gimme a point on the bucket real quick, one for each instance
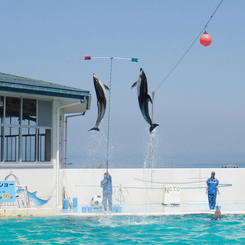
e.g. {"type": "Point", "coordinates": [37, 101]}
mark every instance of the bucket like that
{"type": "Point", "coordinates": [119, 209]}
{"type": "Point", "coordinates": [65, 203]}
{"type": "Point", "coordinates": [116, 209]}
{"type": "Point", "coordinates": [74, 202]}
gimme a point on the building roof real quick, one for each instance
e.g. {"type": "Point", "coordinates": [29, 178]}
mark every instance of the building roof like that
{"type": "Point", "coordinates": [19, 84]}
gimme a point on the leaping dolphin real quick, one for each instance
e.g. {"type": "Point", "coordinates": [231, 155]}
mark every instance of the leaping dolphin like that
{"type": "Point", "coordinates": [101, 101]}
{"type": "Point", "coordinates": [144, 98]}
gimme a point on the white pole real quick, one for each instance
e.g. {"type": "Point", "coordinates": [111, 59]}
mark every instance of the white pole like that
{"type": "Point", "coordinates": [109, 115]}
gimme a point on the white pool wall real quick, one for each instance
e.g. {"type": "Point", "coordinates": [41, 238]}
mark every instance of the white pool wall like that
{"type": "Point", "coordinates": [144, 186]}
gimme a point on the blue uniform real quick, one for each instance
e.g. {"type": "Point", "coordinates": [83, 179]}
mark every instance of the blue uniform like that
{"type": "Point", "coordinates": [212, 192]}
{"type": "Point", "coordinates": [107, 192]}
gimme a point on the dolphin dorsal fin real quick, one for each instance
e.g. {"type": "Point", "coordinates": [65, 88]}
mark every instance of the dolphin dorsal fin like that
{"type": "Point", "coordinates": [134, 85]}
{"type": "Point", "coordinates": [106, 87]}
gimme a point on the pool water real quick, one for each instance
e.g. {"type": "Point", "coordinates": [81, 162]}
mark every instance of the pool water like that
{"type": "Point", "coordinates": [106, 229]}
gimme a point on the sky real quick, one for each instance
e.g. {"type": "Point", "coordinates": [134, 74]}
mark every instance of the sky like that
{"type": "Point", "coordinates": [200, 108]}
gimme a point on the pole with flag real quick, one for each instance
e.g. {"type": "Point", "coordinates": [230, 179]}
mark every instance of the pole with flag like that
{"type": "Point", "coordinates": [88, 57]}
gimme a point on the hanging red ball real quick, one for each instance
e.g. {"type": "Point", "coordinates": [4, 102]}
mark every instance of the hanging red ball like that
{"type": "Point", "coordinates": [205, 39]}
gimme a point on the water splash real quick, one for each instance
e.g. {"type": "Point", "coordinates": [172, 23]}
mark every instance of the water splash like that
{"type": "Point", "coordinates": [96, 150]}
{"type": "Point", "coordinates": [149, 164]}
{"type": "Point", "coordinates": [152, 145]}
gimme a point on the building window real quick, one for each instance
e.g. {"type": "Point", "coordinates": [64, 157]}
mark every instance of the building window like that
{"type": "Point", "coordinates": [25, 130]}
{"type": "Point", "coordinates": [1, 108]}
{"type": "Point", "coordinates": [29, 115]}
{"type": "Point", "coordinates": [44, 140]}
{"type": "Point", "coordinates": [11, 144]}
{"type": "Point", "coordinates": [1, 144]}
{"type": "Point", "coordinates": [29, 145]}
{"type": "Point", "coordinates": [12, 111]}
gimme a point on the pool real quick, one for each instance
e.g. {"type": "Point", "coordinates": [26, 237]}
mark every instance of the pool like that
{"type": "Point", "coordinates": [106, 229]}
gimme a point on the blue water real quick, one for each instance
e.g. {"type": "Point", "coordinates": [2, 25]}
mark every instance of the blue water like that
{"type": "Point", "coordinates": [186, 229]}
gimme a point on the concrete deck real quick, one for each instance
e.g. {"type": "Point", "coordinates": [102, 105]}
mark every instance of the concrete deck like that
{"type": "Point", "coordinates": [137, 210]}
{"type": "Point", "coordinates": [28, 212]}
{"type": "Point", "coordinates": [158, 209]}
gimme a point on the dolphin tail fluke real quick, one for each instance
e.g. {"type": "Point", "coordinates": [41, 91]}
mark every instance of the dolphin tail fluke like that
{"type": "Point", "coordinates": [94, 128]}
{"type": "Point", "coordinates": [153, 126]}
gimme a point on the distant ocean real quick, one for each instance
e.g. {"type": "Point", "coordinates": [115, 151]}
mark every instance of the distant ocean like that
{"type": "Point", "coordinates": [177, 161]}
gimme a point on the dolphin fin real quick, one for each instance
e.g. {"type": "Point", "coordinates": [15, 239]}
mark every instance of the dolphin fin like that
{"type": "Point", "coordinates": [106, 87]}
{"type": "Point", "coordinates": [134, 85]}
{"type": "Point", "coordinates": [149, 98]}
{"type": "Point", "coordinates": [94, 128]}
{"type": "Point", "coordinates": [153, 126]}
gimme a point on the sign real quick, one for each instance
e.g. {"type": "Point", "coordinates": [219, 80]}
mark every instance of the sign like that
{"type": "Point", "coordinates": [7, 191]}
{"type": "Point", "coordinates": [171, 195]}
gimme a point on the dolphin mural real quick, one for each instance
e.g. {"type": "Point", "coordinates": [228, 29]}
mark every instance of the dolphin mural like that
{"type": "Point", "coordinates": [33, 197]}
{"type": "Point", "coordinates": [101, 101]}
{"type": "Point", "coordinates": [144, 98]}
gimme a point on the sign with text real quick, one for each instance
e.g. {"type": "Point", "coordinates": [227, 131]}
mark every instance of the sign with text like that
{"type": "Point", "coordinates": [7, 191]}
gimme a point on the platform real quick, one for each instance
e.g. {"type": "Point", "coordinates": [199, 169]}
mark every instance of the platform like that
{"type": "Point", "coordinates": [159, 209]}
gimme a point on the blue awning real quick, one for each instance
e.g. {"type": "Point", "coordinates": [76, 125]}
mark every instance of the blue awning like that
{"type": "Point", "coordinates": [19, 84]}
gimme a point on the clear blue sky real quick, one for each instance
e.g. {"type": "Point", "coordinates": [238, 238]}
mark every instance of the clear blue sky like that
{"type": "Point", "coordinates": [201, 106]}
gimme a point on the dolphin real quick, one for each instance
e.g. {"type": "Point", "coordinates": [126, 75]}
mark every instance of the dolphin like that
{"type": "Point", "coordinates": [33, 197]}
{"type": "Point", "coordinates": [217, 213]}
{"type": "Point", "coordinates": [101, 101]}
{"type": "Point", "coordinates": [144, 98]}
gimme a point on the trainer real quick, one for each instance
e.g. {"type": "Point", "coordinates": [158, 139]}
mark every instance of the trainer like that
{"type": "Point", "coordinates": [106, 184]}
{"type": "Point", "coordinates": [212, 189]}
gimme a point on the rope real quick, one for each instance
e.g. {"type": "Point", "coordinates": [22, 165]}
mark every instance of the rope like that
{"type": "Point", "coordinates": [109, 114]}
{"type": "Point", "coordinates": [51, 192]}
{"type": "Point", "coordinates": [182, 57]}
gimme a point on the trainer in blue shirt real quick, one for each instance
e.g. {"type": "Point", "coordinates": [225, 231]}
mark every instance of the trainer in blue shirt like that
{"type": "Point", "coordinates": [212, 189]}
{"type": "Point", "coordinates": [106, 184]}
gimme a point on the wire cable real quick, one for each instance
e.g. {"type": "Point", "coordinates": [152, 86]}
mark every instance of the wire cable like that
{"type": "Point", "coordinates": [182, 57]}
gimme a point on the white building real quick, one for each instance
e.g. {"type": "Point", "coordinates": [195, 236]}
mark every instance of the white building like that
{"type": "Point", "coordinates": [32, 132]}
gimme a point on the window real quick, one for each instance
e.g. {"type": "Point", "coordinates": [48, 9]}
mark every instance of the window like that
{"type": "Point", "coordinates": [44, 140]}
{"type": "Point", "coordinates": [25, 130]}
{"type": "Point", "coordinates": [1, 108]}
{"type": "Point", "coordinates": [1, 143]}
{"type": "Point", "coordinates": [11, 143]}
{"type": "Point", "coordinates": [44, 113]}
{"type": "Point", "coordinates": [29, 115]}
{"type": "Point", "coordinates": [28, 144]}
{"type": "Point", "coordinates": [12, 111]}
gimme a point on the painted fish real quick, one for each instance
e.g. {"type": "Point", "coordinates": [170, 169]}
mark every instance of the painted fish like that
{"type": "Point", "coordinates": [33, 197]}
{"type": "Point", "coordinates": [144, 98]}
{"type": "Point", "coordinates": [101, 101]}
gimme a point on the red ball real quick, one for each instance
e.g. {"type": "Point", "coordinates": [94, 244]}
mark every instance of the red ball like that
{"type": "Point", "coordinates": [205, 39]}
